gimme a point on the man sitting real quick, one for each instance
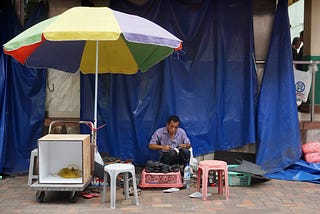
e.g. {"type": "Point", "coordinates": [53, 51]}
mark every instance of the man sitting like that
{"type": "Point", "coordinates": [172, 142]}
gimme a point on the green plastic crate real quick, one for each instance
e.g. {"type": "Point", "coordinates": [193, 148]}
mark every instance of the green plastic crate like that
{"type": "Point", "coordinates": [238, 178]}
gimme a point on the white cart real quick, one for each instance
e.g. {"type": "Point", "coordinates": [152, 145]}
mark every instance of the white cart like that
{"type": "Point", "coordinates": [57, 151]}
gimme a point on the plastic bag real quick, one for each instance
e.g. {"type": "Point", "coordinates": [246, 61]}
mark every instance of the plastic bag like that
{"type": "Point", "coordinates": [302, 81]}
{"type": "Point", "coordinates": [311, 147]}
{"type": "Point", "coordinates": [193, 162]}
{"type": "Point", "coordinates": [72, 171]}
{"type": "Point", "coordinates": [312, 157]}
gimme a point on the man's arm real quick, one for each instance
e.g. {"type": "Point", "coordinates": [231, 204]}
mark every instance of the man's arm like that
{"type": "Point", "coordinates": [158, 147]}
{"type": "Point", "coordinates": [155, 143]}
{"type": "Point", "coordinates": [186, 141]}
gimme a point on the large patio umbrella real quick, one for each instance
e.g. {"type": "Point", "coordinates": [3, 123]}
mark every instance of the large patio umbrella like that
{"type": "Point", "coordinates": [93, 40]}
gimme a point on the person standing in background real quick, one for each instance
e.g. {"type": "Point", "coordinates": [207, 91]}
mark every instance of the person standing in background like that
{"type": "Point", "coordinates": [295, 46]}
{"type": "Point", "coordinates": [301, 67]}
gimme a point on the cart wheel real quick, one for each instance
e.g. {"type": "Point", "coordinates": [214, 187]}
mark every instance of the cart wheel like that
{"type": "Point", "coordinates": [40, 196]}
{"type": "Point", "coordinates": [73, 197]}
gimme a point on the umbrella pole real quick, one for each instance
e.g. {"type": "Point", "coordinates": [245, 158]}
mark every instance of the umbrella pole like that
{"type": "Point", "coordinates": [96, 98]}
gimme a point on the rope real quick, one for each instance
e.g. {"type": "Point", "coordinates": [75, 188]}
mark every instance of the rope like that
{"type": "Point", "coordinates": [93, 129]}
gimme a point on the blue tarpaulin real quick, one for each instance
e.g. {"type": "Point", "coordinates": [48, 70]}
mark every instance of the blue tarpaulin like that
{"type": "Point", "coordinates": [22, 99]}
{"type": "Point", "coordinates": [299, 171]}
{"type": "Point", "coordinates": [211, 84]}
{"type": "Point", "coordinates": [278, 139]}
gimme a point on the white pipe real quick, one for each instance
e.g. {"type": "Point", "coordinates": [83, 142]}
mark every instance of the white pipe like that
{"type": "Point", "coordinates": [314, 70]}
{"type": "Point", "coordinates": [294, 62]}
{"type": "Point", "coordinates": [96, 96]}
{"type": "Point", "coordinates": [307, 62]}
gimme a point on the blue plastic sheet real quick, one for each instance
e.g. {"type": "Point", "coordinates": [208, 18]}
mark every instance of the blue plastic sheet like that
{"type": "Point", "coordinates": [22, 99]}
{"type": "Point", "coordinates": [279, 142]}
{"type": "Point", "coordinates": [298, 171]}
{"type": "Point", "coordinates": [211, 84]}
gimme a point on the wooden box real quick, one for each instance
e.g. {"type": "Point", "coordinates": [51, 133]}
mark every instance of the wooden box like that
{"type": "Point", "coordinates": [58, 151]}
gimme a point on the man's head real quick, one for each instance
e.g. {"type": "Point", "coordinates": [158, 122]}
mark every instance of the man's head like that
{"type": "Point", "coordinates": [296, 42]}
{"type": "Point", "coordinates": [173, 122]}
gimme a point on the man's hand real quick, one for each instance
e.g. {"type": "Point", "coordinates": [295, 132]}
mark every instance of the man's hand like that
{"type": "Point", "coordinates": [184, 146]}
{"type": "Point", "coordinates": [166, 148]}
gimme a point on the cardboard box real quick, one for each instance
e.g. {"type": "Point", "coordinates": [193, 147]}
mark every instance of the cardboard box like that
{"type": "Point", "coordinates": [58, 151]}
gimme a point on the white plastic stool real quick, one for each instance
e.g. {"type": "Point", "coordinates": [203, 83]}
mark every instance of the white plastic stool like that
{"type": "Point", "coordinates": [31, 177]}
{"type": "Point", "coordinates": [114, 170]}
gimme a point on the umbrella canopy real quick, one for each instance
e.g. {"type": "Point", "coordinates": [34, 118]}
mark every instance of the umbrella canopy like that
{"type": "Point", "coordinates": [93, 40]}
{"type": "Point", "coordinates": [68, 42]}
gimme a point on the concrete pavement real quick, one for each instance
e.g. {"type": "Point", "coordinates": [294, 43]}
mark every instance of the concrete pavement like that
{"type": "Point", "coordinates": [273, 196]}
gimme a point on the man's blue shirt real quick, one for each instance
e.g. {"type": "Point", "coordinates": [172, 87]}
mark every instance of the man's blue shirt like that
{"type": "Point", "coordinates": [161, 137]}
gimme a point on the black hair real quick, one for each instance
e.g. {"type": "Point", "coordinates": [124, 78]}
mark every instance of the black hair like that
{"type": "Point", "coordinates": [301, 34]}
{"type": "Point", "coordinates": [295, 40]}
{"type": "Point", "coordinates": [173, 118]}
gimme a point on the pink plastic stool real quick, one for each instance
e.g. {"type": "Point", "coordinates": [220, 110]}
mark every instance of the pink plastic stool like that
{"type": "Point", "coordinates": [221, 167]}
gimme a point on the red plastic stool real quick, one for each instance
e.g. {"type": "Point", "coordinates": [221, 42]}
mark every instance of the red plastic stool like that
{"type": "Point", "coordinates": [221, 167]}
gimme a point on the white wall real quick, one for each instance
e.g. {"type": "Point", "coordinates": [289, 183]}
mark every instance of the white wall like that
{"type": "Point", "coordinates": [63, 94]}
{"type": "Point", "coordinates": [296, 17]}
{"type": "Point", "coordinates": [63, 89]}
